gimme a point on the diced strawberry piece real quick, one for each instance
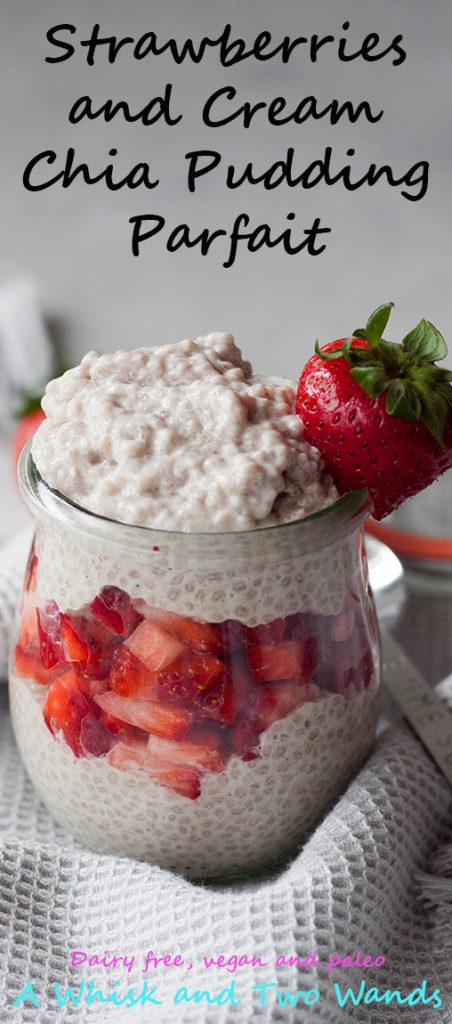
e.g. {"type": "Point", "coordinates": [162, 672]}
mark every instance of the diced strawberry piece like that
{"type": "Point", "coordinates": [95, 739]}
{"type": "Point", "coordinates": [134, 755]}
{"type": "Point", "coordinates": [238, 637]}
{"type": "Point", "coordinates": [209, 734]}
{"type": "Point", "coordinates": [152, 644]}
{"type": "Point", "coordinates": [268, 633]}
{"type": "Point", "coordinates": [65, 707]}
{"type": "Point", "coordinates": [184, 781]}
{"type": "Point", "coordinates": [87, 643]}
{"type": "Point", "coordinates": [234, 636]}
{"type": "Point", "coordinates": [219, 702]}
{"type": "Point", "coordinates": [49, 629]}
{"type": "Point", "coordinates": [309, 657]}
{"type": "Point", "coordinates": [186, 754]}
{"type": "Point", "coordinates": [347, 667]}
{"type": "Point", "coordinates": [161, 719]}
{"type": "Point", "coordinates": [29, 633]}
{"type": "Point", "coordinates": [130, 678]}
{"type": "Point", "coordinates": [310, 693]}
{"type": "Point", "coordinates": [281, 661]}
{"type": "Point", "coordinates": [75, 649]}
{"type": "Point", "coordinates": [298, 626]}
{"type": "Point", "coordinates": [28, 665]}
{"type": "Point", "coordinates": [114, 609]}
{"type": "Point", "coordinates": [277, 700]}
{"type": "Point", "coordinates": [336, 672]}
{"type": "Point", "coordinates": [244, 741]}
{"type": "Point", "coordinates": [189, 677]}
{"type": "Point", "coordinates": [90, 687]}
{"type": "Point", "coordinates": [201, 636]}
{"type": "Point", "coordinates": [128, 755]}
{"type": "Point", "coordinates": [364, 671]}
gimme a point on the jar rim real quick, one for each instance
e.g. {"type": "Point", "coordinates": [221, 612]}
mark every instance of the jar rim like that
{"type": "Point", "coordinates": [306, 533]}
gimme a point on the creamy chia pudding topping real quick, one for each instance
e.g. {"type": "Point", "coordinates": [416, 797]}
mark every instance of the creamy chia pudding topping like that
{"type": "Point", "coordinates": [180, 437]}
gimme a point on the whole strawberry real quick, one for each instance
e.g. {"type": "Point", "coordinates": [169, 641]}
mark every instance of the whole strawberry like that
{"type": "Point", "coordinates": [379, 412]}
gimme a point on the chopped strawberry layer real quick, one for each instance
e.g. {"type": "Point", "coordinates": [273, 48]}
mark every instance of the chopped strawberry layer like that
{"type": "Point", "coordinates": [174, 698]}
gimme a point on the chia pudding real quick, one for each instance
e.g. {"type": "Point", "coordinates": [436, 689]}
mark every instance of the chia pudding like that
{"type": "Point", "coordinates": [195, 675]}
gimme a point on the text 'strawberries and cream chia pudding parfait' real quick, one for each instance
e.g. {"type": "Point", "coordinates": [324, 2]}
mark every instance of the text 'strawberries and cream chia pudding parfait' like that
{"type": "Point", "coordinates": [195, 672]}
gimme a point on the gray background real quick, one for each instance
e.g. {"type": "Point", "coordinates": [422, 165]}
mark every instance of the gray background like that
{"type": "Point", "coordinates": [77, 241]}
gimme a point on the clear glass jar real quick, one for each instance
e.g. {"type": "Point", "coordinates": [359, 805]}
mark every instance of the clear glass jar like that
{"type": "Point", "coordinates": [195, 700]}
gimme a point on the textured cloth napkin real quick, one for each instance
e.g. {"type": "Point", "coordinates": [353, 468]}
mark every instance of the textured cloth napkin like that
{"type": "Point", "coordinates": [356, 884]}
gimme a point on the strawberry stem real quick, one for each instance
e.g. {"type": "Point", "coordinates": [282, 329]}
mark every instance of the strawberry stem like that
{"type": "Point", "coordinates": [416, 389]}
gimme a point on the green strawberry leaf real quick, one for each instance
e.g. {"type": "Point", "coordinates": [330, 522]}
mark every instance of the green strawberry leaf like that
{"type": "Point", "coordinates": [347, 350]}
{"type": "Point", "coordinates": [371, 378]}
{"type": "Point", "coordinates": [403, 401]}
{"type": "Point", "coordinates": [363, 357]}
{"type": "Point", "coordinates": [392, 357]}
{"type": "Point", "coordinates": [425, 342]}
{"type": "Point", "coordinates": [446, 392]}
{"type": "Point", "coordinates": [373, 331]}
{"type": "Point", "coordinates": [335, 354]}
{"type": "Point", "coordinates": [435, 411]}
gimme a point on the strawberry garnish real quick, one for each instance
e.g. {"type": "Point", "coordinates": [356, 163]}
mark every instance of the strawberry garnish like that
{"type": "Point", "coordinates": [379, 412]}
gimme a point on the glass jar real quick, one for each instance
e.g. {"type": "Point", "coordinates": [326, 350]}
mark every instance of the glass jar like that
{"type": "Point", "coordinates": [195, 700]}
